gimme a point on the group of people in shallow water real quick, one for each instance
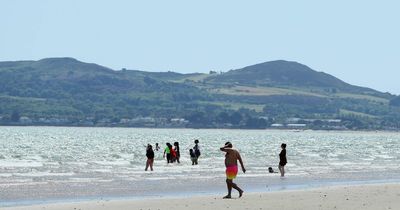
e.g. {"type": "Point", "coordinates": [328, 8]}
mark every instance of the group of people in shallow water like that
{"type": "Point", "coordinates": [232, 156]}
{"type": "Point", "coordinates": [172, 153]}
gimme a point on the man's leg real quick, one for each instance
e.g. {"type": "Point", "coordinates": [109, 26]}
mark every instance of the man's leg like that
{"type": "Point", "coordinates": [238, 189]}
{"type": "Point", "coordinates": [229, 186]}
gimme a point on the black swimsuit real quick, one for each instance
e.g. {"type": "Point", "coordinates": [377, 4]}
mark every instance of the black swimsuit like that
{"type": "Point", "coordinates": [282, 158]}
{"type": "Point", "coordinates": [150, 154]}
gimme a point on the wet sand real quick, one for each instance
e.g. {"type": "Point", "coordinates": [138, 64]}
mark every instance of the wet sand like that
{"type": "Point", "coordinates": [365, 197]}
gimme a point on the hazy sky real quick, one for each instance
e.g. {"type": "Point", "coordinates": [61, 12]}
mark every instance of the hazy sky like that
{"type": "Point", "coordinates": [355, 40]}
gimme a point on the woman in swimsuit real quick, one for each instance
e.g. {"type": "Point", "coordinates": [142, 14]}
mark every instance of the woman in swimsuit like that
{"type": "Point", "coordinates": [150, 157]}
{"type": "Point", "coordinates": [282, 160]}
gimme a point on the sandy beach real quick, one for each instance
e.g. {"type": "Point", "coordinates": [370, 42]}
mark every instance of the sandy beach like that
{"type": "Point", "coordinates": [365, 197]}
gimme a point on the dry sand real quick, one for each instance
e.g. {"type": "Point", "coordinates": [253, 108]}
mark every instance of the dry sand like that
{"type": "Point", "coordinates": [365, 197]}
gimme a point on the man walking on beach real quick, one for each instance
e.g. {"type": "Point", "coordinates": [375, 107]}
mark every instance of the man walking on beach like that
{"type": "Point", "coordinates": [231, 158]}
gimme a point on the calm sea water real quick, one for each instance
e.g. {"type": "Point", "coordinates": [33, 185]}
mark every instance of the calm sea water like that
{"type": "Point", "coordinates": [45, 163]}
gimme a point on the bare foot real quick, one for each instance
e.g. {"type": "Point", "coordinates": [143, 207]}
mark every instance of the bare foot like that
{"type": "Point", "coordinates": [240, 193]}
{"type": "Point", "coordinates": [227, 197]}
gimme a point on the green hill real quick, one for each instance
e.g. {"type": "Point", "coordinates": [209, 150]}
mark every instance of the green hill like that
{"type": "Point", "coordinates": [71, 92]}
{"type": "Point", "coordinates": [287, 74]}
{"type": "Point", "coordinates": [86, 89]}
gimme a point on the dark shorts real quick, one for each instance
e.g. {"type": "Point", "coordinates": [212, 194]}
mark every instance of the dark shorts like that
{"type": "Point", "coordinates": [168, 156]}
{"type": "Point", "coordinates": [282, 163]}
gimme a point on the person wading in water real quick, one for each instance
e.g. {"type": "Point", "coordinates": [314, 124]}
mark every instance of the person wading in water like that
{"type": "Point", "coordinates": [282, 160]}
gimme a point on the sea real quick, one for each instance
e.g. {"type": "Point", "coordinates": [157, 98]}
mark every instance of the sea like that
{"type": "Point", "coordinates": [59, 164]}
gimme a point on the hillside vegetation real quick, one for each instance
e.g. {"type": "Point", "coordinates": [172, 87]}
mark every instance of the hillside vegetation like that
{"type": "Point", "coordinates": [65, 91]}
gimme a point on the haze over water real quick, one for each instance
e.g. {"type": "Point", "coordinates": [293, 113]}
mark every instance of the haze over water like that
{"type": "Point", "coordinates": [45, 163]}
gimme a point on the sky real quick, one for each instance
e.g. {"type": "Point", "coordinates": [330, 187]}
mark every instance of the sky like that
{"type": "Point", "coordinates": [356, 41]}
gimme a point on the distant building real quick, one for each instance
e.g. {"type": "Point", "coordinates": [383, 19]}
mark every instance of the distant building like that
{"type": "Point", "coordinates": [25, 120]}
{"type": "Point", "coordinates": [124, 121]}
{"type": "Point", "coordinates": [277, 125]}
{"type": "Point", "coordinates": [293, 120]}
{"type": "Point", "coordinates": [178, 122]}
{"type": "Point", "coordinates": [139, 121]}
{"type": "Point", "coordinates": [333, 120]}
{"type": "Point", "coordinates": [323, 120]}
{"type": "Point", "coordinates": [52, 121]}
{"type": "Point", "coordinates": [296, 126]}
{"type": "Point", "coordinates": [290, 126]}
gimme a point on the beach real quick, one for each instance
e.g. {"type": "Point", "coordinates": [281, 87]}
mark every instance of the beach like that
{"type": "Point", "coordinates": [54, 165]}
{"type": "Point", "coordinates": [365, 197]}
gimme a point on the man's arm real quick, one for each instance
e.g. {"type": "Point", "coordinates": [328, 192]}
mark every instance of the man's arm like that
{"type": "Point", "coordinates": [225, 149]}
{"type": "Point", "coordinates": [241, 162]}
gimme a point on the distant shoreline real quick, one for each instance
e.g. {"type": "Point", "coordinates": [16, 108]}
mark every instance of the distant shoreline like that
{"type": "Point", "coordinates": [205, 128]}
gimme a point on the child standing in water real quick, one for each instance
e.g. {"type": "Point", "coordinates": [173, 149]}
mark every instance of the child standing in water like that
{"type": "Point", "coordinates": [167, 152]}
{"type": "Point", "coordinates": [282, 160]}
{"type": "Point", "coordinates": [193, 157]}
{"type": "Point", "coordinates": [173, 153]}
{"type": "Point", "coordinates": [150, 157]}
{"type": "Point", "coordinates": [177, 151]}
{"type": "Point", "coordinates": [196, 149]}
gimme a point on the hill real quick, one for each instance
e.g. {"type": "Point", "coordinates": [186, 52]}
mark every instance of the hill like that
{"type": "Point", "coordinates": [66, 91]}
{"type": "Point", "coordinates": [282, 73]}
{"type": "Point", "coordinates": [69, 88]}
